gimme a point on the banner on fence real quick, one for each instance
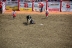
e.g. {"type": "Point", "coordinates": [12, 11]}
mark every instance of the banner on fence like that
{"type": "Point", "coordinates": [54, 6]}
{"type": "Point", "coordinates": [25, 6]}
{"type": "Point", "coordinates": [66, 6]}
{"type": "Point", "coordinates": [11, 5]}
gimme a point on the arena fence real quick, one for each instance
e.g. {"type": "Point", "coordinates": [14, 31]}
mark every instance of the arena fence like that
{"type": "Point", "coordinates": [61, 6]}
{"type": "Point", "coordinates": [66, 6]}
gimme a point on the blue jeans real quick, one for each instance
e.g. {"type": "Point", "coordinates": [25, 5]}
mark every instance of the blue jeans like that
{"type": "Point", "coordinates": [41, 9]}
{"type": "Point", "coordinates": [0, 10]}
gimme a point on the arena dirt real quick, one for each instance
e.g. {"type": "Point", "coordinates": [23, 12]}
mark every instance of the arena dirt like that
{"type": "Point", "coordinates": [56, 31]}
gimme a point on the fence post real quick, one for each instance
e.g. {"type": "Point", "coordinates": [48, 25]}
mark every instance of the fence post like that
{"type": "Point", "coordinates": [46, 4]}
{"type": "Point", "coordinates": [60, 5]}
{"type": "Point", "coordinates": [32, 5]}
{"type": "Point", "coordinates": [18, 5]}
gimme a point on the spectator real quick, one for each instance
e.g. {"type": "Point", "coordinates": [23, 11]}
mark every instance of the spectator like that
{"type": "Point", "coordinates": [0, 6]}
{"type": "Point", "coordinates": [41, 6]}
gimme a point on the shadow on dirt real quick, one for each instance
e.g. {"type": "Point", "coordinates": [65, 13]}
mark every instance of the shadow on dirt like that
{"type": "Point", "coordinates": [45, 18]}
{"type": "Point", "coordinates": [25, 23]}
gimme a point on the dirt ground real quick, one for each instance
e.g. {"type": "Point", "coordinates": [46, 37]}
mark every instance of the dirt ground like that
{"type": "Point", "coordinates": [56, 31]}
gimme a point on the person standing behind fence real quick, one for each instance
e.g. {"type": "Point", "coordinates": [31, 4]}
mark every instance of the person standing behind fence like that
{"type": "Point", "coordinates": [0, 6]}
{"type": "Point", "coordinates": [41, 6]}
{"type": "Point", "coordinates": [14, 14]}
{"type": "Point", "coordinates": [25, 5]}
{"type": "Point", "coordinates": [68, 6]}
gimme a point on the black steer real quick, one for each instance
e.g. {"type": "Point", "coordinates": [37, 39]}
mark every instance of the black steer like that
{"type": "Point", "coordinates": [28, 17]}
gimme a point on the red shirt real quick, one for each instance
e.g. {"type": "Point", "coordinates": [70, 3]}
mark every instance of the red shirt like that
{"type": "Point", "coordinates": [14, 13]}
{"type": "Point", "coordinates": [41, 4]}
{"type": "Point", "coordinates": [25, 5]}
{"type": "Point", "coordinates": [67, 6]}
{"type": "Point", "coordinates": [0, 4]}
{"type": "Point", "coordinates": [46, 13]}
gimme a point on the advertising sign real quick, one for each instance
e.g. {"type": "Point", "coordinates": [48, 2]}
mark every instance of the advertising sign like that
{"type": "Point", "coordinates": [11, 5]}
{"type": "Point", "coordinates": [54, 6]}
{"type": "Point", "coordinates": [66, 6]}
{"type": "Point", "coordinates": [25, 6]}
